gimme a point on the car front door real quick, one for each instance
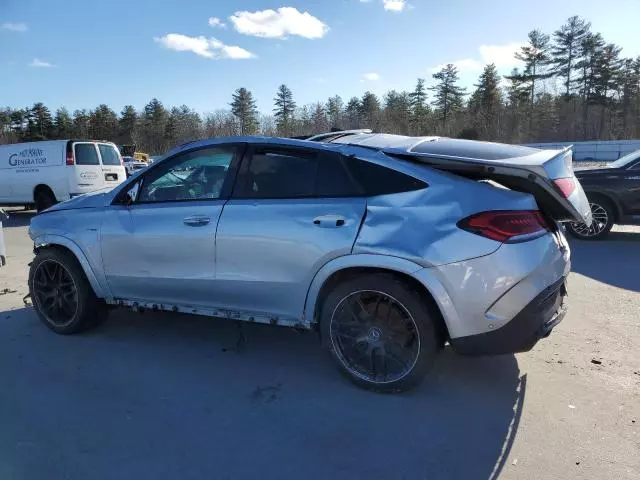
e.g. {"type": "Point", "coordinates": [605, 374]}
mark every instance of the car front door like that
{"type": "Point", "coordinates": [630, 193]}
{"type": "Point", "coordinates": [161, 247]}
{"type": "Point", "coordinates": [292, 210]}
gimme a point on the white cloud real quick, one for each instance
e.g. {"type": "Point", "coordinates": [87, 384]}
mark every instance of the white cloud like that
{"type": "Point", "coordinates": [394, 5]}
{"type": "Point", "coordinates": [280, 23]}
{"type": "Point", "coordinates": [14, 27]}
{"type": "Point", "coordinates": [500, 55]}
{"type": "Point", "coordinates": [215, 22]}
{"type": "Point", "coordinates": [37, 63]}
{"type": "Point", "coordinates": [202, 46]}
{"type": "Point", "coordinates": [371, 76]}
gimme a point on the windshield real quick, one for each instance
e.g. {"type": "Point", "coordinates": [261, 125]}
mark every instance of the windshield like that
{"type": "Point", "coordinates": [624, 161]}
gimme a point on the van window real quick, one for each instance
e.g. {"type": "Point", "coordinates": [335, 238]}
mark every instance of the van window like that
{"type": "Point", "coordinates": [109, 155]}
{"type": "Point", "coordinates": [86, 154]}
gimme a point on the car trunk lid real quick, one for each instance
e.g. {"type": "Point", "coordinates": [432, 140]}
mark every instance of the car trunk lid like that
{"type": "Point", "coordinates": [546, 174]}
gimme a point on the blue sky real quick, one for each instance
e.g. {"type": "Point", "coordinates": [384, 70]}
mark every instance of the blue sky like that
{"type": "Point", "coordinates": [79, 54]}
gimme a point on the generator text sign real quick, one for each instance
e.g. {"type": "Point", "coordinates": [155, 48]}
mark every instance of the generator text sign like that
{"type": "Point", "coordinates": [28, 159]}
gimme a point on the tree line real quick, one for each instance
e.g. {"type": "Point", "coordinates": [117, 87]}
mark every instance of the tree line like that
{"type": "Point", "coordinates": [572, 86]}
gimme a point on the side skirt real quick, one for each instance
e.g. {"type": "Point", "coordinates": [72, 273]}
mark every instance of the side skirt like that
{"type": "Point", "coordinates": [245, 316]}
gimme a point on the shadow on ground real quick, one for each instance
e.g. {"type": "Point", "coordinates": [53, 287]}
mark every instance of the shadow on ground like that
{"type": "Point", "coordinates": [171, 396]}
{"type": "Point", "coordinates": [615, 261]}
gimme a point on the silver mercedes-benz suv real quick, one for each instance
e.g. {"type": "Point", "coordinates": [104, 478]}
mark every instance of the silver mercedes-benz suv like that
{"type": "Point", "coordinates": [389, 246]}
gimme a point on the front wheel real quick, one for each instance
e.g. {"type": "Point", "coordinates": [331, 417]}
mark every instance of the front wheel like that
{"type": "Point", "coordinates": [380, 333]}
{"type": "Point", "coordinates": [61, 293]}
{"type": "Point", "coordinates": [601, 225]}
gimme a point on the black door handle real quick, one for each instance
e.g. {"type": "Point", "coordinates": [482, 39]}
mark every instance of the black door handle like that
{"type": "Point", "coordinates": [339, 222]}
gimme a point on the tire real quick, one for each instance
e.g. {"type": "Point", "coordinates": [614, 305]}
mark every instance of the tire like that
{"type": "Point", "coordinates": [603, 221]}
{"type": "Point", "coordinates": [44, 199]}
{"type": "Point", "coordinates": [56, 277]}
{"type": "Point", "coordinates": [409, 332]}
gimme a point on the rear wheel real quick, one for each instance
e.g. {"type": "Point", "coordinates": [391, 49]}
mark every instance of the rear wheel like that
{"type": "Point", "coordinates": [44, 199]}
{"type": "Point", "coordinates": [380, 333]}
{"type": "Point", "coordinates": [61, 293]}
{"type": "Point", "coordinates": [603, 219]}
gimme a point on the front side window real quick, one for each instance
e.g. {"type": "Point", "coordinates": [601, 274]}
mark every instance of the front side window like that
{"type": "Point", "coordinates": [86, 154]}
{"type": "Point", "coordinates": [109, 154]}
{"type": "Point", "coordinates": [197, 175]}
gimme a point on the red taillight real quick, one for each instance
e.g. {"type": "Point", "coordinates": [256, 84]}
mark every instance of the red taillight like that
{"type": "Point", "coordinates": [506, 225]}
{"type": "Point", "coordinates": [565, 185]}
{"type": "Point", "coordinates": [70, 159]}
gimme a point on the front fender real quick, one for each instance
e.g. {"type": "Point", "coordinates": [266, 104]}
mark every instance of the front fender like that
{"type": "Point", "coordinates": [425, 276]}
{"type": "Point", "coordinates": [44, 240]}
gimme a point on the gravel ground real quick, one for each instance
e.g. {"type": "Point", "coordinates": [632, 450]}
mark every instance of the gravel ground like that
{"type": "Point", "coordinates": [170, 396]}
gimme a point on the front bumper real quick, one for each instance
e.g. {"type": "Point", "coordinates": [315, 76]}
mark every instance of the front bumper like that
{"type": "Point", "coordinates": [522, 332]}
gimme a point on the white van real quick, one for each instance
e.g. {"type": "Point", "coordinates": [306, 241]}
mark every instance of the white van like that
{"type": "Point", "coordinates": [44, 173]}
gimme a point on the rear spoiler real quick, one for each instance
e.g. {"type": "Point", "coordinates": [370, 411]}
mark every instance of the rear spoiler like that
{"type": "Point", "coordinates": [547, 175]}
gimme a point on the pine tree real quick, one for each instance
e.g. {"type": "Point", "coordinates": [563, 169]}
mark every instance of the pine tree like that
{"type": "Point", "coordinates": [397, 113]}
{"type": "Point", "coordinates": [284, 110]}
{"type": "Point", "coordinates": [63, 124]}
{"type": "Point", "coordinates": [127, 125]}
{"type": "Point", "coordinates": [352, 113]}
{"type": "Point", "coordinates": [243, 106]}
{"type": "Point", "coordinates": [536, 57]}
{"type": "Point", "coordinates": [370, 110]}
{"type": "Point", "coordinates": [80, 124]}
{"type": "Point", "coordinates": [103, 123]}
{"type": "Point", "coordinates": [335, 111]}
{"type": "Point", "coordinates": [486, 102]}
{"type": "Point", "coordinates": [39, 123]}
{"type": "Point", "coordinates": [319, 119]}
{"type": "Point", "coordinates": [448, 95]}
{"type": "Point", "coordinates": [419, 109]}
{"type": "Point", "coordinates": [153, 125]}
{"type": "Point", "coordinates": [566, 48]}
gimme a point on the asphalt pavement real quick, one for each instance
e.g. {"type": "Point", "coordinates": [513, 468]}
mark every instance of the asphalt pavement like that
{"type": "Point", "coordinates": [168, 396]}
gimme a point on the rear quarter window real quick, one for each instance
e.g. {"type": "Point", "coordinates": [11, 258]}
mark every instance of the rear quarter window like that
{"type": "Point", "coordinates": [86, 154]}
{"type": "Point", "coordinates": [375, 179]}
{"type": "Point", "coordinates": [109, 155]}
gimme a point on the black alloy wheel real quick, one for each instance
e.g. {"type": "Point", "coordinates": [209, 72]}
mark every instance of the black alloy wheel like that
{"type": "Point", "coordinates": [56, 292]}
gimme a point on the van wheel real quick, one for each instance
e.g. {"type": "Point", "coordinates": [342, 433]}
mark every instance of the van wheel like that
{"type": "Point", "coordinates": [380, 333]}
{"type": "Point", "coordinates": [61, 293]}
{"type": "Point", "coordinates": [44, 199]}
{"type": "Point", "coordinates": [602, 223]}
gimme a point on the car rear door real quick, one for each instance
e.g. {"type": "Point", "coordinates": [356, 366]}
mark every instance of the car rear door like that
{"type": "Point", "coordinates": [161, 248]}
{"type": "Point", "coordinates": [113, 172]}
{"type": "Point", "coordinates": [87, 173]}
{"type": "Point", "coordinates": [292, 211]}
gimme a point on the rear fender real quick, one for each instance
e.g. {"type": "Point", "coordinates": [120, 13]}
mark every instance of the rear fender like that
{"type": "Point", "coordinates": [385, 262]}
{"type": "Point", "coordinates": [48, 240]}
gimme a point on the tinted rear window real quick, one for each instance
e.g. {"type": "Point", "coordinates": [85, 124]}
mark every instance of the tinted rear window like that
{"type": "Point", "coordinates": [473, 149]}
{"type": "Point", "coordinates": [280, 175]}
{"type": "Point", "coordinates": [378, 180]}
{"type": "Point", "coordinates": [86, 154]}
{"type": "Point", "coordinates": [109, 155]}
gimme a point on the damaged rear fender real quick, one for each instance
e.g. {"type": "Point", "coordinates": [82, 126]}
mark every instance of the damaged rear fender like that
{"type": "Point", "coordinates": [380, 262]}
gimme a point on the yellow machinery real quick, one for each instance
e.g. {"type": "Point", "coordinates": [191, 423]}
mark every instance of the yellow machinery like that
{"type": "Point", "coordinates": [130, 151]}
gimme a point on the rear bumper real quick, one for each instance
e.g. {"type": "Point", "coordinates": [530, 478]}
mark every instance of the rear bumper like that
{"type": "Point", "coordinates": [521, 333]}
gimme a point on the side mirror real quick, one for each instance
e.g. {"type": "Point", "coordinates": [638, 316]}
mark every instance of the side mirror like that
{"type": "Point", "coordinates": [129, 197]}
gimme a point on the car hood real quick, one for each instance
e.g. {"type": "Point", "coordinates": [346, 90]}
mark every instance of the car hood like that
{"type": "Point", "coordinates": [88, 200]}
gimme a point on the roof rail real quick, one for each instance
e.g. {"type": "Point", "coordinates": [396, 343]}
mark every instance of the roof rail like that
{"type": "Point", "coordinates": [328, 136]}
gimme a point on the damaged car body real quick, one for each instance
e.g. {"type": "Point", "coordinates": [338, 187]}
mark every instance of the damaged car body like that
{"type": "Point", "coordinates": [390, 246]}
